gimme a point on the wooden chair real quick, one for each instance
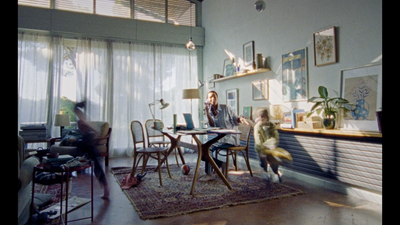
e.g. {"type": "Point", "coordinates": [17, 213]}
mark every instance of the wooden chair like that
{"type": "Point", "coordinates": [158, 138]}
{"type": "Point", "coordinates": [244, 149]}
{"type": "Point", "coordinates": [145, 152]}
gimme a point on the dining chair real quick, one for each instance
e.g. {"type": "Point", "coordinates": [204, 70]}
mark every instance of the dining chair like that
{"type": "Point", "coordinates": [244, 149]}
{"type": "Point", "coordinates": [155, 137]}
{"type": "Point", "coordinates": [144, 152]}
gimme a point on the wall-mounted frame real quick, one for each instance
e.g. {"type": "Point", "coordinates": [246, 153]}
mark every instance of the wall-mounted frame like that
{"type": "Point", "coordinates": [295, 76]}
{"type": "Point", "coordinates": [229, 68]}
{"type": "Point", "coordinates": [325, 48]}
{"type": "Point", "coordinates": [248, 53]}
{"type": "Point", "coordinates": [260, 90]}
{"type": "Point", "coordinates": [232, 99]}
{"type": "Point", "coordinates": [247, 112]}
{"type": "Point", "coordinates": [362, 87]}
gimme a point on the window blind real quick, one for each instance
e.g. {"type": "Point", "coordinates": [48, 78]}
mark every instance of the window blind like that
{"type": "Point", "coordinates": [35, 3]}
{"type": "Point", "coordinates": [121, 8]}
{"type": "Point", "coordinates": [83, 6]}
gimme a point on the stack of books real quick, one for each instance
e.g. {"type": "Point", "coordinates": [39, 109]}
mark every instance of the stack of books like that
{"type": "Point", "coordinates": [55, 163]}
{"type": "Point", "coordinates": [33, 132]}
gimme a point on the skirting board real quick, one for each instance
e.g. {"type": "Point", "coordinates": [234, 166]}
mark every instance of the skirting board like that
{"type": "Point", "coordinates": [321, 181]}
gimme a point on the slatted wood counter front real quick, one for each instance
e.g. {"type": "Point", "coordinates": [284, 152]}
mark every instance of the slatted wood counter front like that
{"type": "Point", "coordinates": [349, 157]}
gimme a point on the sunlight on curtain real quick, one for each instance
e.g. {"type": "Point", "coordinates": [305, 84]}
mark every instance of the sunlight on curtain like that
{"type": "Point", "coordinates": [93, 77]}
{"type": "Point", "coordinates": [39, 70]}
{"type": "Point", "coordinates": [144, 73]}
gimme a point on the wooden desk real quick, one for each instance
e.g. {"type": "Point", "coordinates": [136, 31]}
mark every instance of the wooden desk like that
{"type": "Point", "coordinates": [202, 149]}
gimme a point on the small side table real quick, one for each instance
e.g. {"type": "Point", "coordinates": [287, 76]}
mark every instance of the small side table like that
{"type": "Point", "coordinates": [40, 168]}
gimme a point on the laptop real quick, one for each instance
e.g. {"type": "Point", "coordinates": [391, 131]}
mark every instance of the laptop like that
{"type": "Point", "coordinates": [189, 121]}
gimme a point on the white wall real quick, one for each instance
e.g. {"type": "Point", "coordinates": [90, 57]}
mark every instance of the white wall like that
{"type": "Point", "coordinates": [284, 26]}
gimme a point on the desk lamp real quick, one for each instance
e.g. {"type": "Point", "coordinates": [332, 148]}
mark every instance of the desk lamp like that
{"type": "Point", "coordinates": [158, 124]}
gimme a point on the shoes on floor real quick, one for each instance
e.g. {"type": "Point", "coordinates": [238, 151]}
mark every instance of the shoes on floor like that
{"type": "Point", "coordinates": [207, 177]}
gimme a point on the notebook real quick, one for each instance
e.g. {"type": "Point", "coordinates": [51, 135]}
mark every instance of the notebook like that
{"type": "Point", "coordinates": [189, 121]}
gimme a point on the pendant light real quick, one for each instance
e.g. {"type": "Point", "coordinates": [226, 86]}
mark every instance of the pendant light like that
{"type": "Point", "coordinates": [190, 45]}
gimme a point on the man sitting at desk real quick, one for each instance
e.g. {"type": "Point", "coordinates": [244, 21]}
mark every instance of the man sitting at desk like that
{"type": "Point", "coordinates": [221, 115]}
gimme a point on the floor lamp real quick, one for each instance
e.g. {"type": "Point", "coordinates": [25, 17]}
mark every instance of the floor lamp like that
{"type": "Point", "coordinates": [193, 93]}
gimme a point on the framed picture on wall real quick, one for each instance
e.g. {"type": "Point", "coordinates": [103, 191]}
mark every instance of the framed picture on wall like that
{"type": "Point", "coordinates": [325, 47]}
{"type": "Point", "coordinates": [232, 99]}
{"type": "Point", "coordinates": [248, 54]}
{"type": "Point", "coordinates": [362, 87]}
{"type": "Point", "coordinates": [229, 68]}
{"type": "Point", "coordinates": [260, 90]}
{"type": "Point", "coordinates": [295, 76]}
{"type": "Point", "coordinates": [247, 112]}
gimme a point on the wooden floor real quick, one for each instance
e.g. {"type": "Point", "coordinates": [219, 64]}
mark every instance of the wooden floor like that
{"type": "Point", "coordinates": [317, 206]}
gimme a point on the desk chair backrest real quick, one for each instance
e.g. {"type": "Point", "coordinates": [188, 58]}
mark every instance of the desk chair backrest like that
{"type": "Point", "coordinates": [152, 133]}
{"type": "Point", "coordinates": [137, 134]}
{"type": "Point", "coordinates": [246, 131]}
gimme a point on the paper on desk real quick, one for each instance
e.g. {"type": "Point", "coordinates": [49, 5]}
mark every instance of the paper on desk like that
{"type": "Point", "coordinates": [225, 131]}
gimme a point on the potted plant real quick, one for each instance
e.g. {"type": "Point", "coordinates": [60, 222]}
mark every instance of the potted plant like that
{"type": "Point", "coordinates": [329, 107]}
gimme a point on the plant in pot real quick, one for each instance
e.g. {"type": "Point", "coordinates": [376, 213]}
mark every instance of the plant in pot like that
{"type": "Point", "coordinates": [329, 106]}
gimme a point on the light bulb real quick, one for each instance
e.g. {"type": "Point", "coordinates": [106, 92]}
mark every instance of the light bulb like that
{"type": "Point", "coordinates": [260, 5]}
{"type": "Point", "coordinates": [190, 45]}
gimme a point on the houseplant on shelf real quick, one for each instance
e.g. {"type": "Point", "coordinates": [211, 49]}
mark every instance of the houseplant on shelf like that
{"type": "Point", "coordinates": [329, 106]}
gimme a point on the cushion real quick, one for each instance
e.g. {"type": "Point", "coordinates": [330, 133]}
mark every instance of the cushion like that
{"type": "Point", "coordinates": [102, 128]}
{"type": "Point", "coordinates": [71, 139]}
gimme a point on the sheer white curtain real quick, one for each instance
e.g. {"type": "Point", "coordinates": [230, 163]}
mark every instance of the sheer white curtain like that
{"type": "Point", "coordinates": [93, 78]}
{"type": "Point", "coordinates": [39, 71]}
{"type": "Point", "coordinates": [142, 74]}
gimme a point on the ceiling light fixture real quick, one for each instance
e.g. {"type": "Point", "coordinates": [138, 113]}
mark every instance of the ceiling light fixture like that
{"type": "Point", "coordinates": [190, 45]}
{"type": "Point", "coordinates": [259, 5]}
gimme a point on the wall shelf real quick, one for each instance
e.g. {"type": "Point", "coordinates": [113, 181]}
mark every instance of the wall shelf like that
{"type": "Point", "coordinates": [263, 70]}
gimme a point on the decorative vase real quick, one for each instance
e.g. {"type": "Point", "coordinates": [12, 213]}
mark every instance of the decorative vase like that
{"type": "Point", "coordinates": [328, 123]}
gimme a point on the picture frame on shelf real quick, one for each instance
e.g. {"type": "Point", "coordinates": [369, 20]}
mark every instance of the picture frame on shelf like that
{"type": "Point", "coordinates": [260, 90]}
{"type": "Point", "coordinates": [325, 47]}
{"type": "Point", "coordinates": [248, 54]}
{"type": "Point", "coordinates": [232, 99]}
{"type": "Point", "coordinates": [362, 87]}
{"type": "Point", "coordinates": [247, 112]}
{"type": "Point", "coordinates": [229, 69]}
{"type": "Point", "coordinates": [295, 76]}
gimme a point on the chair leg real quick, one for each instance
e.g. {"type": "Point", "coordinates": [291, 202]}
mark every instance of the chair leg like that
{"type": "Point", "coordinates": [248, 162]}
{"type": "Point", "coordinates": [227, 163]}
{"type": "Point", "coordinates": [176, 157]}
{"type": "Point", "coordinates": [159, 164]}
{"type": "Point", "coordinates": [169, 173]}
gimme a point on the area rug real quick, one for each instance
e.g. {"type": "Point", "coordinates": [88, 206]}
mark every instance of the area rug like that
{"type": "Point", "coordinates": [151, 200]}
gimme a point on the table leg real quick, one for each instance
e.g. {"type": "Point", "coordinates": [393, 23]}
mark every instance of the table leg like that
{"type": "Point", "coordinates": [171, 149]}
{"type": "Point", "coordinates": [204, 150]}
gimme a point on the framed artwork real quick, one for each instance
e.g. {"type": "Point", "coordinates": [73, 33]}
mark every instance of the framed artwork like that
{"type": "Point", "coordinates": [362, 87]}
{"type": "Point", "coordinates": [295, 76]}
{"type": "Point", "coordinates": [210, 82]}
{"type": "Point", "coordinates": [325, 47]}
{"type": "Point", "coordinates": [229, 68]}
{"type": "Point", "coordinates": [247, 112]}
{"type": "Point", "coordinates": [260, 90]}
{"type": "Point", "coordinates": [232, 99]}
{"type": "Point", "coordinates": [248, 54]}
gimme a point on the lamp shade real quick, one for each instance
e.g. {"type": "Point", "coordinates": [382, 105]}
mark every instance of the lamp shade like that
{"type": "Point", "coordinates": [191, 93]}
{"type": "Point", "coordinates": [61, 120]}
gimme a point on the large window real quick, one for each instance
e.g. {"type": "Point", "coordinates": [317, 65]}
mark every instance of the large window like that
{"type": "Point", "coordinates": [163, 11]}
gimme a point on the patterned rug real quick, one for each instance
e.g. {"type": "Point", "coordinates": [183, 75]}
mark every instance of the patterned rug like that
{"type": "Point", "coordinates": [151, 200]}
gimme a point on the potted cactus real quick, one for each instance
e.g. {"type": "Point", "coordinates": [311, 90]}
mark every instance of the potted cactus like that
{"type": "Point", "coordinates": [329, 106]}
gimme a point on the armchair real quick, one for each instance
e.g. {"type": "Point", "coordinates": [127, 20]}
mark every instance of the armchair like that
{"type": "Point", "coordinates": [25, 171]}
{"type": "Point", "coordinates": [101, 142]}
